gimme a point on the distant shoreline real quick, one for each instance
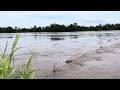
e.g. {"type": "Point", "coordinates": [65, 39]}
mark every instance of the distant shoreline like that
{"type": "Point", "coordinates": [60, 31]}
{"type": "Point", "coordinates": [61, 28]}
{"type": "Point", "coordinates": [71, 31]}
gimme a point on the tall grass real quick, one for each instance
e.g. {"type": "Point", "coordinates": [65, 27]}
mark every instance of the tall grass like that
{"type": "Point", "coordinates": [7, 71]}
{"type": "Point", "coordinates": [27, 71]}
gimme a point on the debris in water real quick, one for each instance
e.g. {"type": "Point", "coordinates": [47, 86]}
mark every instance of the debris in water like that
{"type": "Point", "coordinates": [54, 67]}
{"type": "Point", "coordinates": [68, 61]}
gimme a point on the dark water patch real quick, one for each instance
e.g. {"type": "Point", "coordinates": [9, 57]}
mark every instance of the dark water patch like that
{"type": "Point", "coordinates": [56, 39]}
{"type": "Point", "coordinates": [60, 35]}
{"type": "Point", "coordinates": [105, 34]}
{"type": "Point", "coordinates": [75, 37]}
{"type": "Point", "coordinates": [2, 37]}
{"type": "Point", "coordinates": [10, 37]}
{"type": "Point", "coordinates": [37, 35]}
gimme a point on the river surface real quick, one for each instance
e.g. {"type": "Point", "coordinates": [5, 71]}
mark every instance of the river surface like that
{"type": "Point", "coordinates": [57, 47]}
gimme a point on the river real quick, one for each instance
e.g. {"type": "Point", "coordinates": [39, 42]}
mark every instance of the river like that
{"type": "Point", "coordinates": [57, 47]}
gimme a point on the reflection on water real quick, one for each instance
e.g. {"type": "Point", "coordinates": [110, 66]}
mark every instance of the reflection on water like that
{"type": "Point", "coordinates": [10, 37]}
{"type": "Point", "coordinates": [35, 36]}
{"type": "Point", "coordinates": [54, 39]}
{"type": "Point", "coordinates": [54, 36]}
{"type": "Point", "coordinates": [75, 37]}
{"type": "Point", "coordinates": [2, 37]}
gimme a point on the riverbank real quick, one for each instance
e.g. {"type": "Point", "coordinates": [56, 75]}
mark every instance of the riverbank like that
{"type": "Point", "coordinates": [60, 28]}
{"type": "Point", "coordinates": [103, 63]}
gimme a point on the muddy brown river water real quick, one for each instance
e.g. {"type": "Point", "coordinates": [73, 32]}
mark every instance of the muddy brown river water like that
{"type": "Point", "coordinates": [57, 47]}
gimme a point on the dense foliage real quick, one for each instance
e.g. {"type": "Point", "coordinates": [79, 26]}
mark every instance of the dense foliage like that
{"type": "Point", "coordinates": [61, 28]}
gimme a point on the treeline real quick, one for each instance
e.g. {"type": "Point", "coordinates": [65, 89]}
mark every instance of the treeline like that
{"type": "Point", "coordinates": [60, 28]}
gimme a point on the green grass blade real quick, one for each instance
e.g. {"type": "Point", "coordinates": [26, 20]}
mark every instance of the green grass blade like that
{"type": "Point", "coordinates": [29, 62]}
{"type": "Point", "coordinates": [20, 72]}
{"type": "Point", "coordinates": [5, 49]}
{"type": "Point", "coordinates": [13, 71]}
{"type": "Point", "coordinates": [4, 67]}
{"type": "Point", "coordinates": [1, 72]}
{"type": "Point", "coordinates": [32, 72]}
{"type": "Point", "coordinates": [15, 42]}
{"type": "Point", "coordinates": [33, 75]}
{"type": "Point", "coordinates": [11, 55]}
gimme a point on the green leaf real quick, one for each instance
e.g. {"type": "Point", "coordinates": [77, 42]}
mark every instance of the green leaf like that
{"type": "Point", "coordinates": [32, 72]}
{"type": "Point", "coordinates": [11, 54]}
{"type": "Point", "coordinates": [29, 62]}
{"type": "Point", "coordinates": [15, 42]}
{"type": "Point", "coordinates": [13, 71]}
{"type": "Point", "coordinates": [5, 49]}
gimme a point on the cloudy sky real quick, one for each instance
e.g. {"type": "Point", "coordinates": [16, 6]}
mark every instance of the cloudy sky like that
{"type": "Point", "coordinates": [43, 18]}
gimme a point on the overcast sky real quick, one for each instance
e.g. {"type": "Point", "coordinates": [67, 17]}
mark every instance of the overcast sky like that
{"type": "Point", "coordinates": [43, 18]}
